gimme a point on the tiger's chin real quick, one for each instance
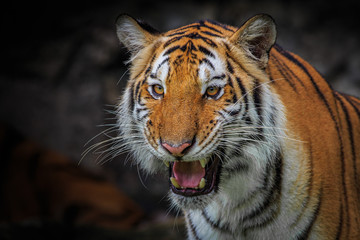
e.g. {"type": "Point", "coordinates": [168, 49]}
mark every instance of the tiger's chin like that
{"type": "Point", "coordinates": [193, 183]}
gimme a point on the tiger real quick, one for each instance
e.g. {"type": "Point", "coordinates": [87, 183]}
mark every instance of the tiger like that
{"type": "Point", "coordinates": [256, 144]}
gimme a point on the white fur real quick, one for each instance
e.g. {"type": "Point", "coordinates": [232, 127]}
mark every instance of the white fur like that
{"type": "Point", "coordinates": [237, 194]}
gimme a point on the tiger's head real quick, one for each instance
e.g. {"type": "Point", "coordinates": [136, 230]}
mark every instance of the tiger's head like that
{"type": "Point", "coordinates": [194, 96]}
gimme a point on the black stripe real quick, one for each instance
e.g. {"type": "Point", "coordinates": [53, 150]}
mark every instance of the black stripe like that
{"type": "Point", "coordinates": [220, 25]}
{"type": "Point", "coordinates": [191, 26]}
{"type": "Point", "coordinates": [131, 102]}
{"type": "Point", "coordinates": [350, 101]}
{"type": "Point", "coordinates": [208, 41]}
{"type": "Point", "coordinates": [322, 97]}
{"type": "Point", "coordinates": [150, 65]}
{"type": "Point", "coordinates": [162, 63]}
{"type": "Point", "coordinates": [171, 40]}
{"type": "Point", "coordinates": [284, 73]}
{"type": "Point", "coordinates": [235, 99]}
{"type": "Point", "coordinates": [266, 184]}
{"type": "Point", "coordinates": [340, 225]}
{"type": "Point", "coordinates": [203, 24]}
{"type": "Point", "coordinates": [221, 114]}
{"type": "Point", "coordinates": [229, 67]}
{"type": "Point", "coordinates": [305, 234]}
{"type": "Point", "coordinates": [219, 77]}
{"type": "Point", "coordinates": [266, 221]}
{"type": "Point", "coordinates": [189, 45]}
{"type": "Point", "coordinates": [170, 50]}
{"type": "Point", "coordinates": [139, 94]}
{"type": "Point", "coordinates": [211, 34]}
{"type": "Point", "coordinates": [192, 228]}
{"type": "Point", "coordinates": [216, 224]}
{"type": "Point", "coordinates": [274, 193]}
{"type": "Point", "coordinates": [175, 34]}
{"type": "Point", "coordinates": [139, 99]}
{"type": "Point", "coordinates": [354, 100]}
{"type": "Point", "coordinates": [227, 48]}
{"type": "Point", "coordinates": [238, 63]}
{"type": "Point", "coordinates": [139, 110]}
{"type": "Point", "coordinates": [208, 63]}
{"type": "Point", "coordinates": [258, 103]}
{"type": "Point", "coordinates": [142, 118]}
{"type": "Point", "coordinates": [137, 89]}
{"type": "Point", "coordinates": [230, 82]}
{"type": "Point", "coordinates": [287, 69]}
{"type": "Point", "coordinates": [206, 51]}
{"type": "Point", "coordinates": [272, 117]}
{"type": "Point", "coordinates": [233, 113]}
{"type": "Point", "coordinates": [309, 186]}
{"type": "Point", "coordinates": [357, 111]}
{"type": "Point", "coordinates": [319, 92]}
{"type": "Point", "coordinates": [343, 174]}
{"type": "Point", "coordinates": [194, 35]}
{"type": "Point", "coordinates": [240, 167]}
{"type": "Point", "coordinates": [148, 70]}
{"type": "Point", "coordinates": [244, 94]}
{"type": "Point", "coordinates": [349, 128]}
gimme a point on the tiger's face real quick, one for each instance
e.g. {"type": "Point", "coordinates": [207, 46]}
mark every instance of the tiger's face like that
{"type": "Point", "coordinates": [188, 97]}
{"type": "Point", "coordinates": [186, 92]}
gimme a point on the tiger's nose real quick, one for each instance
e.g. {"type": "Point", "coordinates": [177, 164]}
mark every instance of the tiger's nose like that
{"type": "Point", "coordinates": [176, 150]}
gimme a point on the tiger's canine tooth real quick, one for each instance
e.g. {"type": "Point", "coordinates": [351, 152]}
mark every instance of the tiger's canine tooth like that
{"type": "Point", "coordinates": [174, 182]}
{"type": "Point", "coordinates": [202, 183]}
{"type": "Point", "coordinates": [203, 162]}
{"type": "Point", "coordinates": [166, 163]}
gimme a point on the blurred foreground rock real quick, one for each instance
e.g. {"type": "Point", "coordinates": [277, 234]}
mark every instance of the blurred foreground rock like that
{"type": "Point", "coordinates": [38, 184]}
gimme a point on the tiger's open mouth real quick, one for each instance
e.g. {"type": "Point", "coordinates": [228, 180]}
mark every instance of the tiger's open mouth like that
{"type": "Point", "coordinates": [194, 178]}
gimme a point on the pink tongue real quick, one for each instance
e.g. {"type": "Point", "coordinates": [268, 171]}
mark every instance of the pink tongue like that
{"type": "Point", "coordinates": [188, 174]}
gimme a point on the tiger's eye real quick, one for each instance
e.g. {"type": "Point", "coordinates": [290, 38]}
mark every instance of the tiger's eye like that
{"type": "Point", "coordinates": [158, 89]}
{"type": "Point", "coordinates": [212, 91]}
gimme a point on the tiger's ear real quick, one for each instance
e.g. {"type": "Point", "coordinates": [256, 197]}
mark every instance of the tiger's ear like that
{"type": "Point", "coordinates": [134, 34]}
{"type": "Point", "coordinates": [256, 37]}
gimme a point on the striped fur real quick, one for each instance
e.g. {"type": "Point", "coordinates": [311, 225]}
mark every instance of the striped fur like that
{"type": "Point", "coordinates": [288, 144]}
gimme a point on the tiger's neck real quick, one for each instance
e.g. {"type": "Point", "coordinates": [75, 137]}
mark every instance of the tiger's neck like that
{"type": "Point", "coordinates": [258, 204]}
{"type": "Point", "coordinates": [252, 199]}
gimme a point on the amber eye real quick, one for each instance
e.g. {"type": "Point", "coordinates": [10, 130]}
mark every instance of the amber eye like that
{"type": "Point", "coordinates": [158, 89]}
{"type": "Point", "coordinates": [212, 91]}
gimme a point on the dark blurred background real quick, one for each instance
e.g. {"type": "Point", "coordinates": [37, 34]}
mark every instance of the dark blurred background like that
{"type": "Point", "coordinates": [61, 63]}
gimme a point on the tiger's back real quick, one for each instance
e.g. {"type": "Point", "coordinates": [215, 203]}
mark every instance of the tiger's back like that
{"type": "Point", "coordinates": [328, 123]}
{"type": "Point", "coordinates": [256, 144]}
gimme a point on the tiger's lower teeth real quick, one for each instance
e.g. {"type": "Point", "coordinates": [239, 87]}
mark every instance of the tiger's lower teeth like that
{"type": "Point", "coordinates": [202, 183]}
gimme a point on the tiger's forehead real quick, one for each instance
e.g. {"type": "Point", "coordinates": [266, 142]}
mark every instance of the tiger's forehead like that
{"type": "Point", "coordinates": [208, 29]}
{"type": "Point", "coordinates": [194, 47]}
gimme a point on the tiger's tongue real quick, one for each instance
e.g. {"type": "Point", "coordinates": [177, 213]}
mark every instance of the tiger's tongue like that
{"type": "Point", "coordinates": [188, 174]}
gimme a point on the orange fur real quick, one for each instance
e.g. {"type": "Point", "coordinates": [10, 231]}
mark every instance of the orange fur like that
{"type": "Point", "coordinates": [326, 140]}
{"type": "Point", "coordinates": [324, 123]}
